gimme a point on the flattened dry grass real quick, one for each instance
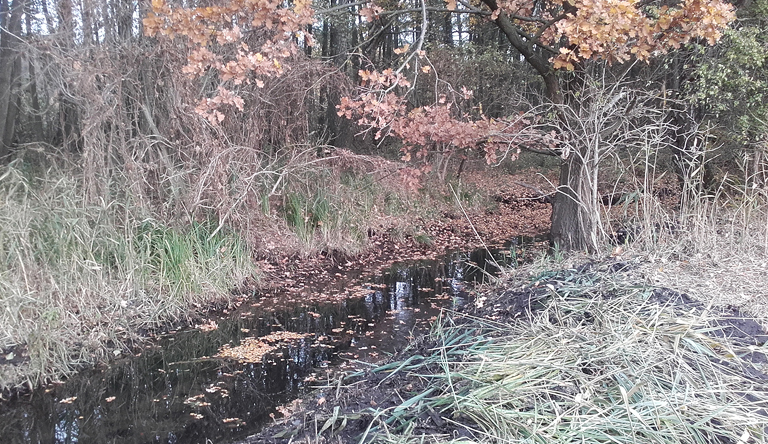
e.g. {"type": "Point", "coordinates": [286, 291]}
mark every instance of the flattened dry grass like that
{"type": "Point", "coordinates": [714, 246]}
{"type": "Point", "coordinates": [585, 357]}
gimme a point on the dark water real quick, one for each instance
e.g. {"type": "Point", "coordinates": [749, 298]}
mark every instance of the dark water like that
{"type": "Point", "coordinates": [175, 393]}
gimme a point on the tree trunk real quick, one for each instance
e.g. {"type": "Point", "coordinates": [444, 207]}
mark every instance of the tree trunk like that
{"type": "Point", "coordinates": [325, 38]}
{"type": "Point", "coordinates": [124, 20]}
{"type": "Point", "coordinates": [49, 22]}
{"type": "Point", "coordinates": [66, 22]}
{"type": "Point", "coordinates": [11, 31]}
{"type": "Point", "coordinates": [14, 106]}
{"type": "Point", "coordinates": [89, 36]}
{"type": "Point", "coordinates": [37, 131]}
{"type": "Point", "coordinates": [575, 216]}
{"type": "Point", "coordinates": [447, 30]}
{"type": "Point", "coordinates": [574, 209]}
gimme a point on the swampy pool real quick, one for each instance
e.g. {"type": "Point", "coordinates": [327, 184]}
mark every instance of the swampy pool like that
{"type": "Point", "coordinates": [177, 392]}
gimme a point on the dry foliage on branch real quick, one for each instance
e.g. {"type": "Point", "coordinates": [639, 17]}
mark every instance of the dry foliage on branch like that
{"type": "Point", "coordinates": [222, 38]}
{"type": "Point", "coordinates": [616, 30]}
{"type": "Point", "coordinates": [383, 107]}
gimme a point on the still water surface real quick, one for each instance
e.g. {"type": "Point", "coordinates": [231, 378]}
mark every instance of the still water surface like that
{"type": "Point", "coordinates": [176, 392]}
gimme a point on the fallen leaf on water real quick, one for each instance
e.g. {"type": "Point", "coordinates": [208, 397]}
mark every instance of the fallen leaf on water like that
{"type": "Point", "coordinates": [253, 349]}
{"type": "Point", "coordinates": [209, 326]}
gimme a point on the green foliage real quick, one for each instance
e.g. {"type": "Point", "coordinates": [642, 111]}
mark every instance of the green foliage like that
{"type": "Point", "coordinates": [306, 213]}
{"type": "Point", "coordinates": [755, 12]}
{"type": "Point", "coordinates": [732, 81]}
{"type": "Point", "coordinates": [46, 224]}
{"type": "Point", "coordinates": [175, 259]}
{"type": "Point", "coordinates": [463, 194]}
{"type": "Point", "coordinates": [424, 239]}
{"type": "Point", "coordinates": [531, 162]}
{"type": "Point", "coordinates": [331, 209]}
{"type": "Point", "coordinates": [294, 210]}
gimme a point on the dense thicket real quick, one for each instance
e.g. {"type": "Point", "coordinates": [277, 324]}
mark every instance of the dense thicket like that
{"type": "Point", "coordinates": [129, 107]}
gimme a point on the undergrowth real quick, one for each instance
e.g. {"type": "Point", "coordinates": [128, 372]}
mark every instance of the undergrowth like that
{"type": "Point", "coordinates": [81, 276]}
{"type": "Point", "coordinates": [600, 353]}
{"type": "Point", "coordinates": [76, 276]}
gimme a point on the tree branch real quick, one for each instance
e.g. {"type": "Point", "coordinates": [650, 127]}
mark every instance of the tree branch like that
{"type": "Point", "coordinates": [340, 7]}
{"type": "Point", "coordinates": [436, 9]}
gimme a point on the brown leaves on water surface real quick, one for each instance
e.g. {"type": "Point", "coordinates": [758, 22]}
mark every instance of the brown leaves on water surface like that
{"type": "Point", "coordinates": [252, 350]}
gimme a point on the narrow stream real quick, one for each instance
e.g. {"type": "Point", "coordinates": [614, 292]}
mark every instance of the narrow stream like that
{"type": "Point", "coordinates": [177, 392]}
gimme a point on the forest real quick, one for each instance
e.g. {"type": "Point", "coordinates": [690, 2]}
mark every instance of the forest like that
{"type": "Point", "coordinates": [163, 160]}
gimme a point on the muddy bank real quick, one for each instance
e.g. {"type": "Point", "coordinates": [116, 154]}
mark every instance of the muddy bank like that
{"type": "Point", "coordinates": [590, 353]}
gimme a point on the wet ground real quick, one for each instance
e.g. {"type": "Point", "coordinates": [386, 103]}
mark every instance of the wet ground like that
{"type": "Point", "coordinates": [179, 391]}
{"type": "Point", "coordinates": [371, 400]}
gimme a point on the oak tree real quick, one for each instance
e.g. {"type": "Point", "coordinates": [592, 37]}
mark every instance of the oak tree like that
{"type": "Point", "coordinates": [552, 36]}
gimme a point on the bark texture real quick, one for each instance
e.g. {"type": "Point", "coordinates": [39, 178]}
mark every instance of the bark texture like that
{"type": "Point", "coordinates": [574, 225]}
{"type": "Point", "coordinates": [10, 33]}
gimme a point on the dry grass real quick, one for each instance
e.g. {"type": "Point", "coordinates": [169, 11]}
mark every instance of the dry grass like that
{"type": "Point", "coordinates": [709, 242]}
{"type": "Point", "coordinates": [715, 261]}
{"type": "Point", "coordinates": [79, 279]}
{"type": "Point", "coordinates": [712, 245]}
{"type": "Point", "coordinates": [594, 356]}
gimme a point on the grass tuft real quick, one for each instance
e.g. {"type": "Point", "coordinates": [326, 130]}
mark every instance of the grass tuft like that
{"type": "Point", "coordinates": [75, 276]}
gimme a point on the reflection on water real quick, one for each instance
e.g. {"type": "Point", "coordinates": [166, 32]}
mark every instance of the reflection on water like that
{"type": "Point", "coordinates": [174, 392]}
